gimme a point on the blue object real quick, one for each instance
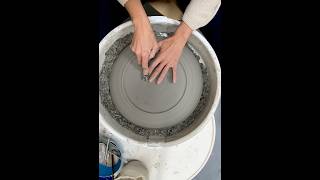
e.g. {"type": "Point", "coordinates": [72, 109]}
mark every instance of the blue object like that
{"type": "Point", "coordinates": [105, 178]}
{"type": "Point", "coordinates": [106, 171]}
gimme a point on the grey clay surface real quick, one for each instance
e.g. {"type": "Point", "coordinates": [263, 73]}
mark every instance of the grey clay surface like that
{"type": "Point", "coordinates": [196, 87]}
{"type": "Point", "coordinates": [148, 104]}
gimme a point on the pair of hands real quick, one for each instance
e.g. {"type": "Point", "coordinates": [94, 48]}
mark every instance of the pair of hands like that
{"type": "Point", "coordinates": [145, 46]}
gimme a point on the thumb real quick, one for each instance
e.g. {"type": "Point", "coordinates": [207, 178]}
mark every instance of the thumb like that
{"type": "Point", "coordinates": [160, 43]}
{"type": "Point", "coordinates": [144, 63]}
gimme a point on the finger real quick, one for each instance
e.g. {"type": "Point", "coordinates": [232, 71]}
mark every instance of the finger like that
{"type": "Point", "coordinates": [160, 43]}
{"type": "Point", "coordinates": [132, 47]}
{"type": "Point", "coordinates": [155, 63]}
{"type": "Point", "coordinates": [145, 59]}
{"type": "Point", "coordinates": [138, 58]}
{"type": "Point", "coordinates": [156, 72]}
{"type": "Point", "coordinates": [163, 74]}
{"type": "Point", "coordinates": [174, 74]}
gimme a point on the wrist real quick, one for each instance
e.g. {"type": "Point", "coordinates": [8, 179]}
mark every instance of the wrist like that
{"type": "Point", "coordinates": [140, 20]}
{"type": "Point", "coordinates": [142, 25]}
{"type": "Point", "coordinates": [183, 32]}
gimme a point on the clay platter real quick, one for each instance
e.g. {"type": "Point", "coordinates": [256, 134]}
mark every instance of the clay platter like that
{"type": "Point", "coordinates": [150, 105]}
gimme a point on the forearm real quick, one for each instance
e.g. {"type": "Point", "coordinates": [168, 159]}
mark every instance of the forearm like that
{"type": "Point", "coordinates": [200, 12]}
{"type": "Point", "coordinates": [136, 12]}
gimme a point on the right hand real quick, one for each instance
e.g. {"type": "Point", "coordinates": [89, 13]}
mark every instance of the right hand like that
{"type": "Point", "coordinates": [144, 43]}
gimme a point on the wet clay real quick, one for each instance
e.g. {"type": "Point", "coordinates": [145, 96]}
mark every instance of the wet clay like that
{"type": "Point", "coordinates": [163, 126]}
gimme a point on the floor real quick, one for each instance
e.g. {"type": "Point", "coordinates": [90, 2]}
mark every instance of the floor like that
{"type": "Point", "coordinates": [212, 170]}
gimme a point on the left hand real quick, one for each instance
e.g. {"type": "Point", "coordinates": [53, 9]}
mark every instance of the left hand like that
{"type": "Point", "coordinates": [169, 55]}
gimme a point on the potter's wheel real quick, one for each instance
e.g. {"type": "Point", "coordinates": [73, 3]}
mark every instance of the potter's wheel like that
{"type": "Point", "coordinates": [150, 105]}
{"type": "Point", "coordinates": [165, 153]}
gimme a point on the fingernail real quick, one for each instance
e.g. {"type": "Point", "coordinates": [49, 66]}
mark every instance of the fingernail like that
{"type": "Point", "coordinates": [151, 79]}
{"type": "Point", "coordinates": [174, 81]}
